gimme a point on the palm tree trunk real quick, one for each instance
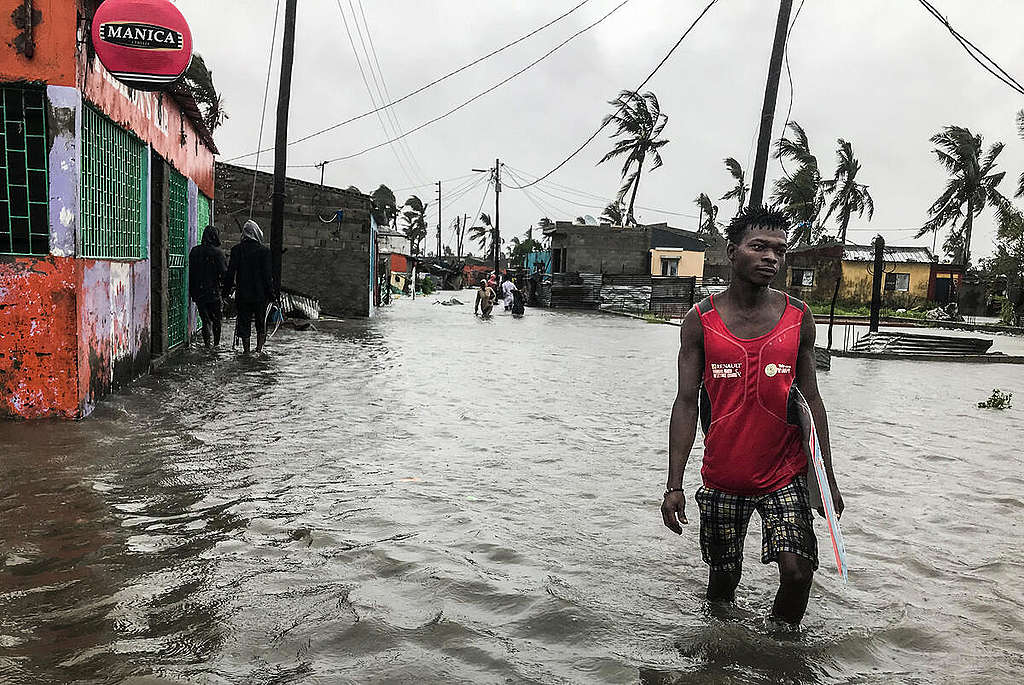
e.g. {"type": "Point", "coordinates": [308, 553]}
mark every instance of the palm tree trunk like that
{"type": "Point", "coordinates": [636, 184]}
{"type": "Point", "coordinates": [968, 225]}
{"type": "Point", "coordinates": [839, 278]}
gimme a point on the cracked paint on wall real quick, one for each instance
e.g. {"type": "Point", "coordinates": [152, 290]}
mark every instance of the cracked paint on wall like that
{"type": "Point", "coordinates": [64, 120]}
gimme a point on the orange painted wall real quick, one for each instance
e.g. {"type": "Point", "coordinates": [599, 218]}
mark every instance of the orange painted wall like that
{"type": "Point", "coordinates": [38, 337]}
{"type": "Point", "coordinates": [154, 118]}
{"type": "Point", "coordinates": [54, 59]}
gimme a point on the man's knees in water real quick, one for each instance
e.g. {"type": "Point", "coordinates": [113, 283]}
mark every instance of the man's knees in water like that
{"type": "Point", "coordinates": [722, 585]}
{"type": "Point", "coordinates": [795, 571]}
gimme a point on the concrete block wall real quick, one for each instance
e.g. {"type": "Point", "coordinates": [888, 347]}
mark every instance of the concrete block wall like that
{"type": "Point", "coordinates": [324, 258]}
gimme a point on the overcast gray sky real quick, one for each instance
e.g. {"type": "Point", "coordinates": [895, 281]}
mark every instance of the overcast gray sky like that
{"type": "Point", "coordinates": [882, 74]}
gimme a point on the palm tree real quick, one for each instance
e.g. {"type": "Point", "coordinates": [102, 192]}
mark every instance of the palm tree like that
{"type": "Point", "coordinates": [414, 215]}
{"type": "Point", "coordinates": [638, 124]}
{"type": "Point", "coordinates": [545, 222]}
{"type": "Point", "coordinates": [800, 193]}
{"type": "Point", "coordinates": [740, 190]}
{"type": "Point", "coordinates": [848, 198]}
{"type": "Point", "coordinates": [482, 234]}
{"type": "Point", "coordinates": [708, 213]}
{"type": "Point", "coordinates": [383, 206]}
{"type": "Point", "coordinates": [972, 184]}
{"type": "Point", "coordinates": [613, 214]}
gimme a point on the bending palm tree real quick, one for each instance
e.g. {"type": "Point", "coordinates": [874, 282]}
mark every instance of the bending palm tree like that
{"type": "Point", "coordinates": [848, 198]}
{"type": "Point", "coordinates": [613, 214]}
{"type": "Point", "coordinates": [708, 215]}
{"type": "Point", "coordinates": [415, 221]}
{"type": "Point", "coordinates": [482, 234]}
{"type": "Point", "coordinates": [972, 184]}
{"type": "Point", "coordinates": [800, 193]}
{"type": "Point", "coordinates": [383, 206]}
{"type": "Point", "coordinates": [740, 190]}
{"type": "Point", "coordinates": [639, 122]}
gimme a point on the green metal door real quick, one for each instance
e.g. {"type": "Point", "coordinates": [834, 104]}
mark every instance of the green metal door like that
{"type": "Point", "coordinates": [177, 259]}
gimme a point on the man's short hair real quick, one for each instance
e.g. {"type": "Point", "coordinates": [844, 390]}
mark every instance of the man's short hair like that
{"type": "Point", "coordinates": [768, 217]}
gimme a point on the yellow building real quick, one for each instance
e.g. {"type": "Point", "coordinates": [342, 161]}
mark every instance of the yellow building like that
{"type": "Point", "coordinates": [677, 261]}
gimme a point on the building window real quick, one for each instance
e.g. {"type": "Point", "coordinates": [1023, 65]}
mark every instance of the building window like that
{"type": "Point", "coordinates": [114, 164]}
{"type": "Point", "coordinates": [670, 266]}
{"type": "Point", "coordinates": [802, 278]}
{"type": "Point", "coordinates": [897, 282]}
{"type": "Point", "coordinates": [24, 183]}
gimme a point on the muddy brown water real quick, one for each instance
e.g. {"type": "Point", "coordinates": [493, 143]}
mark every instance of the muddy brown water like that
{"type": "Point", "coordinates": [427, 497]}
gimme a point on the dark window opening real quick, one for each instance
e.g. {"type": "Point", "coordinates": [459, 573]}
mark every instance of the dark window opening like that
{"type": "Point", "coordinates": [24, 184]}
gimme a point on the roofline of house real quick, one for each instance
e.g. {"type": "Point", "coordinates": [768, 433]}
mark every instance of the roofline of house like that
{"type": "Point", "coordinates": [292, 179]}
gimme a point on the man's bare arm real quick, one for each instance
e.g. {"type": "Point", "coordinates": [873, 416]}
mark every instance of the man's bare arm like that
{"type": "Point", "coordinates": [807, 381]}
{"type": "Point", "coordinates": [683, 425]}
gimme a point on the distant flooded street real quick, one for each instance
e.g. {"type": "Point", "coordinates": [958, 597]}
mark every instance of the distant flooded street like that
{"type": "Point", "coordinates": [426, 497]}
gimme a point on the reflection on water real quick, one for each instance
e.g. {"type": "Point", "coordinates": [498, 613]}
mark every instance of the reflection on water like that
{"type": "Point", "coordinates": [428, 497]}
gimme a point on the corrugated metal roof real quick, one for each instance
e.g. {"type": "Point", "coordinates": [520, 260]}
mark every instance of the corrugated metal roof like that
{"type": "Point", "coordinates": [893, 253]}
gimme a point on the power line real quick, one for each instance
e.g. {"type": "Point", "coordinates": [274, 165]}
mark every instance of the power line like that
{"type": "Point", "coordinates": [492, 88]}
{"type": "Point", "coordinates": [369, 92]}
{"type": "Point", "coordinates": [637, 89]}
{"type": "Point", "coordinates": [789, 74]}
{"type": "Point", "coordinates": [382, 86]}
{"type": "Point", "coordinates": [973, 50]}
{"type": "Point", "coordinates": [263, 115]}
{"type": "Point", "coordinates": [432, 83]}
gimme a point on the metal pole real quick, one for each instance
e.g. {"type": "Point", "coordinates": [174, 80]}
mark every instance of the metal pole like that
{"type": "Point", "coordinates": [281, 145]}
{"type": "Point", "coordinates": [771, 91]}
{"type": "Point", "coordinates": [497, 216]}
{"type": "Point", "coordinates": [876, 283]}
{"type": "Point", "coordinates": [439, 220]}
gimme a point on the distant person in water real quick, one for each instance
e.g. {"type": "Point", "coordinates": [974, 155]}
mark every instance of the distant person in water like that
{"type": "Point", "coordinates": [206, 269]}
{"type": "Point", "coordinates": [249, 274]}
{"type": "Point", "coordinates": [518, 302]}
{"type": "Point", "coordinates": [508, 287]}
{"type": "Point", "coordinates": [484, 300]}
{"type": "Point", "coordinates": [742, 352]}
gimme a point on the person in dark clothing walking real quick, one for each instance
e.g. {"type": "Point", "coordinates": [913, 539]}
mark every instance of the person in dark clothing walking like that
{"type": "Point", "coordinates": [249, 274]}
{"type": "Point", "coordinates": [206, 269]}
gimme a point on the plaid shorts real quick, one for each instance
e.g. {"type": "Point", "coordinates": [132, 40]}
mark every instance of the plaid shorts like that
{"type": "Point", "coordinates": [787, 525]}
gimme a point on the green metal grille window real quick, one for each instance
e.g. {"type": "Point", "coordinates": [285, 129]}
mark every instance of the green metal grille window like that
{"type": "Point", "coordinates": [177, 258]}
{"type": "Point", "coordinates": [205, 216]}
{"type": "Point", "coordinates": [114, 170]}
{"type": "Point", "coordinates": [24, 182]}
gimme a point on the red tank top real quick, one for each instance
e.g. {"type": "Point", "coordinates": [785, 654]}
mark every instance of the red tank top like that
{"type": "Point", "coordinates": [749, 447]}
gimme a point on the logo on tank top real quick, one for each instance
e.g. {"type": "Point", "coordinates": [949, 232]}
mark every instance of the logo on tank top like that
{"type": "Point", "coordinates": [772, 370]}
{"type": "Point", "coordinates": [729, 370]}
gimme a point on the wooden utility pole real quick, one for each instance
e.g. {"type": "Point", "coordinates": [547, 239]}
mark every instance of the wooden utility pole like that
{"type": "Point", "coordinates": [771, 92]}
{"type": "Point", "coordinates": [876, 283]}
{"type": "Point", "coordinates": [497, 217]}
{"type": "Point", "coordinates": [439, 220]}
{"type": "Point", "coordinates": [281, 145]}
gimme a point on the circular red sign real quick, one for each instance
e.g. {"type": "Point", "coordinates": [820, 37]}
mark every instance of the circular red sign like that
{"type": "Point", "coordinates": [146, 44]}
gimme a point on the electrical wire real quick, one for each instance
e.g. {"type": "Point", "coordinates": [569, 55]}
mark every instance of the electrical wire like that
{"type": "Point", "coordinates": [789, 75]}
{"type": "Point", "coordinates": [432, 83]}
{"type": "Point", "coordinates": [492, 88]}
{"type": "Point", "coordinates": [426, 185]}
{"type": "Point", "coordinates": [974, 51]}
{"type": "Point", "coordinates": [369, 92]}
{"type": "Point", "coordinates": [263, 116]}
{"type": "Point", "coordinates": [637, 89]}
{"type": "Point", "coordinates": [382, 87]}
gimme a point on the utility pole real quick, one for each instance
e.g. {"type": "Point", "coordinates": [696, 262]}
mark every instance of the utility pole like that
{"type": "Point", "coordinates": [876, 284]}
{"type": "Point", "coordinates": [322, 165]}
{"type": "Point", "coordinates": [281, 145]}
{"type": "Point", "coordinates": [438, 220]}
{"type": "Point", "coordinates": [771, 92]}
{"type": "Point", "coordinates": [497, 217]}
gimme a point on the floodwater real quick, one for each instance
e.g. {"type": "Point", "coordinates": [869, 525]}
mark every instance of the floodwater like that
{"type": "Point", "coordinates": [427, 497]}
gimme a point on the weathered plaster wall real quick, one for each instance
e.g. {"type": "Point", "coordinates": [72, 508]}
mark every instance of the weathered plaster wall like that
{"type": "Point", "coordinates": [54, 58]}
{"type": "Point", "coordinates": [38, 332]}
{"type": "Point", "coordinates": [64, 125]}
{"type": "Point", "coordinates": [153, 117]}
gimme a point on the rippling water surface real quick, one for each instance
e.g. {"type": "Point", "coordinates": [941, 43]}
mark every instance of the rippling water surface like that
{"type": "Point", "coordinates": [426, 497]}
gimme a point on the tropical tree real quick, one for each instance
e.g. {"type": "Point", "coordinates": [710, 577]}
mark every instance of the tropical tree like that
{"type": "Point", "coordinates": [800, 192]}
{"type": "Point", "coordinates": [613, 214]}
{"type": "Point", "coordinates": [384, 209]}
{"type": "Point", "coordinates": [639, 123]}
{"type": "Point", "coordinates": [414, 216]}
{"type": "Point", "coordinates": [545, 222]}
{"type": "Point", "coordinates": [848, 197]}
{"type": "Point", "coordinates": [971, 188]}
{"type": "Point", "coordinates": [740, 190]}
{"type": "Point", "coordinates": [518, 249]}
{"type": "Point", "coordinates": [708, 215]}
{"type": "Point", "coordinates": [198, 81]}
{"type": "Point", "coordinates": [483, 233]}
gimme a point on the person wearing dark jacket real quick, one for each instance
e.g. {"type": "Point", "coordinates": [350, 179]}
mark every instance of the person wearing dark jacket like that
{"type": "Point", "coordinates": [249, 274]}
{"type": "Point", "coordinates": [206, 269]}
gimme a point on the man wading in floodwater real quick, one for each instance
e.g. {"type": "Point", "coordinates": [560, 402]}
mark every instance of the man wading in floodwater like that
{"type": "Point", "coordinates": [250, 275]}
{"type": "Point", "coordinates": [741, 352]}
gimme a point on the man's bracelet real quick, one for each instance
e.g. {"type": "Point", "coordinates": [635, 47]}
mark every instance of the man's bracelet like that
{"type": "Point", "coordinates": [669, 491]}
